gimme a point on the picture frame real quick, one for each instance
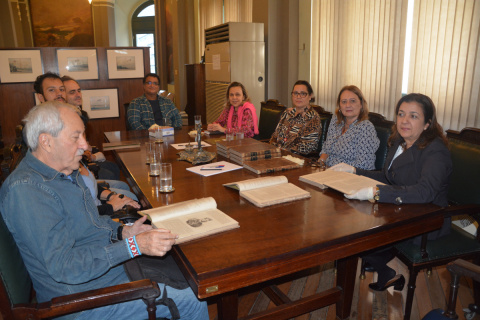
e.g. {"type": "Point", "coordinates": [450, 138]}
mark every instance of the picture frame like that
{"type": "Point", "coordinates": [80, 64]}
{"type": "Point", "coordinates": [20, 65]}
{"type": "Point", "coordinates": [64, 24]}
{"type": "Point", "coordinates": [101, 103]}
{"type": "Point", "coordinates": [125, 63]}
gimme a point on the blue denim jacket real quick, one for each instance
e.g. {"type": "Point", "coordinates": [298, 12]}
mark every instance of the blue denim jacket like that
{"type": "Point", "coordinates": [66, 245]}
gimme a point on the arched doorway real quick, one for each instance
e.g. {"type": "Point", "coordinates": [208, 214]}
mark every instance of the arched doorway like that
{"type": "Point", "coordinates": [143, 29]}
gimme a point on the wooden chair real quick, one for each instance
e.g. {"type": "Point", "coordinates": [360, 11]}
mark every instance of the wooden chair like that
{"type": "Point", "coordinates": [464, 198]}
{"type": "Point", "coordinates": [325, 118]}
{"type": "Point", "coordinates": [13, 154]}
{"type": "Point", "coordinates": [126, 105]}
{"type": "Point", "coordinates": [384, 129]}
{"type": "Point", "coordinates": [171, 96]}
{"type": "Point", "coordinates": [16, 301]}
{"type": "Point", "coordinates": [270, 113]}
{"type": "Point", "coordinates": [458, 268]}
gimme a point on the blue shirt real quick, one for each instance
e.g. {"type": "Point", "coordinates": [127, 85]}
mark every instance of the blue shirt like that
{"type": "Point", "coordinates": [66, 245]}
{"type": "Point", "coordinates": [140, 113]}
{"type": "Point", "coordinates": [356, 147]}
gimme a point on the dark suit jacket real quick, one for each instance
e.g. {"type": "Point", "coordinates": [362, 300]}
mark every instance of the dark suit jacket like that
{"type": "Point", "coordinates": [416, 176]}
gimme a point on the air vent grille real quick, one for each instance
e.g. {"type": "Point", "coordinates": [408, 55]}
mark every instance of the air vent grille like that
{"type": "Point", "coordinates": [220, 33]}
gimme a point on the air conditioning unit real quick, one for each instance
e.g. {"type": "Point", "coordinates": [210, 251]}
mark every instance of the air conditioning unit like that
{"type": "Point", "coordinates": [235, 51]}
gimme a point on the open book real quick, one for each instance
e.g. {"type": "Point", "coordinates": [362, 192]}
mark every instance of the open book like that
{"type": "Point", "coordinates": [191, 219]}
{"type": "Point", "coordinates": [268, 191]}
{"type": "Point", "coordinates": [341, 181]}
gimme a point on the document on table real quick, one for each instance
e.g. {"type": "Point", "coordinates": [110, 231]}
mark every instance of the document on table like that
{"type": "Point", "coordinates": [211, 169]}
{"type": "Point", "coordinates": [181, 146]}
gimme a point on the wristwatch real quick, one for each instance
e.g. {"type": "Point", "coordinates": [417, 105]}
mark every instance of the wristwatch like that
{"type": "Point", "coordinates": [376, 196]}
{"type": "Point", "coordinates": [110, 195]}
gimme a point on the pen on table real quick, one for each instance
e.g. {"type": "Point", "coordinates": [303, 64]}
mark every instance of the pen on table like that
{"type": "Point", "coordinates": [220, 167]}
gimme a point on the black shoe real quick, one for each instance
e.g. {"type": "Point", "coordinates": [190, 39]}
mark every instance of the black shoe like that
{"type": "Point", "coordinates": [368, 267]}
{"type": "Point", "coordinates": [398, 282]}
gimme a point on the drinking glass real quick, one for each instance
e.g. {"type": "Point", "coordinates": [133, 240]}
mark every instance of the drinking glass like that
{"type": "Point", "coordinates": [150, 149]}
{"type": "Point", "coordinates": [155, 164]}
{"type": "Point", "coordinates": [229, 134]}
{"type": "Point", "coordinates": [158, 135]}
{"type": "Point", "coordinates": [166, 177]}
{"type": "Point", "coordinates": [239, 133]}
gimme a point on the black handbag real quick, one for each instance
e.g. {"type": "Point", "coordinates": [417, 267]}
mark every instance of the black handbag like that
{"type": "Point", "coordinates": [161, 270]}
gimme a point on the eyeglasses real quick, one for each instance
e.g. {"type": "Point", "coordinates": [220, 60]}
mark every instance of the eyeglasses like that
{"type": "Point", "coordinates": [299, 94]}
{"type": "Point", "coordinates": [151, 82]}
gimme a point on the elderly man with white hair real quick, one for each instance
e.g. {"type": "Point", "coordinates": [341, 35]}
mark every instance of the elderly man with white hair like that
{"type": "Point", "coordinates": [66, 245]}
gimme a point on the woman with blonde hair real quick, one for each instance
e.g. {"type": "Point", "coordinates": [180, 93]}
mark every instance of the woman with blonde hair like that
{"type": "Point", "coordinates": [352, 138]}
{"type": "Point", "coordinates": [239, 113]}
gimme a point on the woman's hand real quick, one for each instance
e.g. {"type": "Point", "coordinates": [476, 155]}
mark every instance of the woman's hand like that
{"type": "Point", "coordinates": [362, 194]}
{"type": "Point", "coordinates": [118, 201]}
{"type": "Point", "coordinates": [215, 127]}
{"type": "Point", "coordinates": [343, 167]}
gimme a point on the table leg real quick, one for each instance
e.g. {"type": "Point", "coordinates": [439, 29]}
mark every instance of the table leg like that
{"type": "Point", "coordinates": [346, 273]}
{"type": "Point", "coordinates": [227, 306]}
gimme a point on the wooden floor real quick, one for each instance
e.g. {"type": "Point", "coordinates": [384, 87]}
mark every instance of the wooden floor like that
{"type": "Point", "coordinates": [431, 293]}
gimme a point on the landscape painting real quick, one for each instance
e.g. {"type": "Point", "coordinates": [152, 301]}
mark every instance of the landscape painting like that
{"type": "Point", "coordinates": [20, 65]}
{"type": "Point", "coordinates": [61, 23]}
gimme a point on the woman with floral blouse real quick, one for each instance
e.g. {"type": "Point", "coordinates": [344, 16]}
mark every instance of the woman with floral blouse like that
{"type": "Point", "coordinates": [299, 127]}
{"type": "Point", "coordinates": [351, 139]}
{"type": "Point", "coordinates": [239, 113]}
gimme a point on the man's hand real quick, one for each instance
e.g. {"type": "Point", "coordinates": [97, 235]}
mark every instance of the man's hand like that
{"type": "Point", "coordinates": [137, 228]}
{"type": "Point", "coordinates": [155, 242]}
{"type": "Point", "coordinates": [119, 202]}
{"type": "Point", "coordinates": [362, 194]}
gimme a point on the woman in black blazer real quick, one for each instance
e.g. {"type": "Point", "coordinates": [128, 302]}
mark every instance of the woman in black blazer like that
{"type": "Point", "coordinates": [417, 170]}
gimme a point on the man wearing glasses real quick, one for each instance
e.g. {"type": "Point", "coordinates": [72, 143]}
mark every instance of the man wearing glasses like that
{"type": "Point", "coordinates": [151, 109]}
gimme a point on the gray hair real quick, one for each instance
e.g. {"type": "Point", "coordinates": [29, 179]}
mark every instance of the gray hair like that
{"type": "Point", "coordinates": [44, 118]}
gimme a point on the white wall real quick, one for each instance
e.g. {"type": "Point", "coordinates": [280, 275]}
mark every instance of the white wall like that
{"type": "Point", "coordinates": [123, 21]}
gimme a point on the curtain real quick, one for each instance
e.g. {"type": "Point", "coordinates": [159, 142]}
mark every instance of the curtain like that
{"type": "Point", "coordinates": [215, 12]}
{"type": "Point", "coordinates": [445, 59]}
{"type": "Point", "coordinates": [358, 42]}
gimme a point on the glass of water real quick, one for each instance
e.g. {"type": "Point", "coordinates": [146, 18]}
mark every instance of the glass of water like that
{"type": "Point", "coordinates": [166, 177]}
{"type": "Point", "coordinates": [155, 164]}
{"type": "Point", "coordinates": [150, 149]}
{"type": "Point", "coordinates": [239, 133]}
{"type": "Point", "coordinates": [229, 134]}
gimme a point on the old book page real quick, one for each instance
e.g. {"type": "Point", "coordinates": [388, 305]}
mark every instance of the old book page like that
{"type": "Point", "coordinates": [191, 219]}
{"type": "Point", "coordinates": [341, 181]}
{"type": "Point", "coordinates": [268, 191]}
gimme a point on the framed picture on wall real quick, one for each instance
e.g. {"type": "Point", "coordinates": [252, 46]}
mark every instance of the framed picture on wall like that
{"type": "Point", "coordinates": [80, 64]}
{"type": "Point", "coordinates": [101, 103]}
{"type": "Point", "coordinates": [61, 23]}
{"type": "Point", "coordinates": [20, 65]}
{"type": "Point", "coordinates": [125, 63]}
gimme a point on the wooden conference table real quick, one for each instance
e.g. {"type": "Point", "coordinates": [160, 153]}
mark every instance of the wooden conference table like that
{"type": "Point", "coordinates": [274, 241]}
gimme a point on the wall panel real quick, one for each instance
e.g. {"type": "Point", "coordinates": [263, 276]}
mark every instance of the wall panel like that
{"type": "Point", "coordinates": [16, 99]}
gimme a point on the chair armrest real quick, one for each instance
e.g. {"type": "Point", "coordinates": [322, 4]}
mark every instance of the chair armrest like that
{"type": "Point", "coordinates": [465, 268]}
{"type": "Point", "coordinates": [145, 289]}
{"type": "Point", "coordinates": [470, 209]}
